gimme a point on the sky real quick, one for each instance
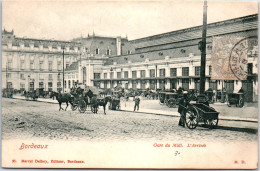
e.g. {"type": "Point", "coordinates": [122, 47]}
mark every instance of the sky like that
{"type": "Point", "coordinates": [65, 20]}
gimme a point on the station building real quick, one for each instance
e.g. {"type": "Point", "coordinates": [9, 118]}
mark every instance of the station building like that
{"type": "Point", "coordinates": [164, 61]}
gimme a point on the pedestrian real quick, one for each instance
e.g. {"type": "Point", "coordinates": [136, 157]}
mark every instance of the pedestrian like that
{"type": "Point", "coordinates": [137, 102]}
{"type": "Point", "coordinates": [182, 108]}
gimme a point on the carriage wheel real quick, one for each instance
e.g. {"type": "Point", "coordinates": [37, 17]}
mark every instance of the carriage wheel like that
{"type": "Point", "coordinates": [212, 123]}
{"type": "Point", "coordinates": [191, 118]}
{"type": "Point", "coordinates": [82, 106]}
{"type": "Point", "coordinates": [241, 103]}
{"type": "Point", "coordinates": [172, 103]}
{"type": "Point", "coordinates": [74, 107]}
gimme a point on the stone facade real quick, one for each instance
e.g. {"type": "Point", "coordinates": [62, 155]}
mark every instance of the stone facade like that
{"type": "Point", "coordinates": [164, 61]}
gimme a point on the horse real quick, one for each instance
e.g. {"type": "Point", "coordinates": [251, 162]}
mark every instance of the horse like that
{"type": "Point", "coordinates": [65, 97]}
{"type": "Point", "coordinates": [95, 102]}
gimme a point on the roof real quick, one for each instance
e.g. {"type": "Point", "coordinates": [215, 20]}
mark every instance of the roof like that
{"type": "Point", "coordinates": [217, 28]}
{"type": "Point", "coordinates": [182, 42]}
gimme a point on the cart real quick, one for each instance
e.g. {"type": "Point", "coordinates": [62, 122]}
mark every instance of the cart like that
{"type": "Point", "coordinates": [235, 99]}
{"type": "Point", "coordinates": [171, 99]}
{"type": "Point", "coordinates": [221, 96]}
{"type": "Point", "coordinates": [200, 112]}
{"type": "Point", "coordinates": [114, 104]}
{"type": "Point", "coordinates": [79, 102]}
{"type": "Point", "coordinates": [8, 92]}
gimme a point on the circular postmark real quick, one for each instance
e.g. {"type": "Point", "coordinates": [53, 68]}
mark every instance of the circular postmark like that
{"type": "Point", "coordinates": [238, 59]}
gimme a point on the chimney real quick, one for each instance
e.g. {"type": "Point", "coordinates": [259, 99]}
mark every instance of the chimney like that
{"type": "Point", "coordinates": [118, 46]}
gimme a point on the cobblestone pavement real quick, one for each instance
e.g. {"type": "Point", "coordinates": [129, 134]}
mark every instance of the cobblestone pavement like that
{"type": "Point", "coordinates": [29, 119]}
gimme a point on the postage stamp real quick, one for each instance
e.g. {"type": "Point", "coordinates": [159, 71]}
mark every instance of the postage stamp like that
{"type": "Point", "coordinates": [229, 58]}
{"type": "Point", "coordinates": [238, 60]}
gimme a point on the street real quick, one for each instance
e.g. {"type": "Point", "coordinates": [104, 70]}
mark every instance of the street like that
{"type": "Point", "coordinates": [30, 119]}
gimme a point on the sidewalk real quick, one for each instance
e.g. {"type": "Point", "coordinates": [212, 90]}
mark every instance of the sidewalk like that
{"type": "Point", "coordinates": [238, 123]}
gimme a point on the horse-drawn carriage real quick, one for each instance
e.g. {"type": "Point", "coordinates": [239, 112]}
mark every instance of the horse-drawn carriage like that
{"type": "Point", "coordinates": [31, 95]}
{"type": "Point", "coordinates": [170, 99]}
{"type": "Point", "coordinates": [235, 99]}
{"type": "Point", "coordinates": [41, 93]}
{"type": "Point", "coordinates": [114, 103]}
{"type": "Point", "coordinates": [8, 92]}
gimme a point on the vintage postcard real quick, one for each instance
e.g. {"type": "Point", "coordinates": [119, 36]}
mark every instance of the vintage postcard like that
{"type": "Point", "coordinates": [130, 84]}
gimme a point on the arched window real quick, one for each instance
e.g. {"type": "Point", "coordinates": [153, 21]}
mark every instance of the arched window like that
{"type": "Point", "coordinates": [97, 51]}
{"type": "Point", "coordinates": [108, 52]}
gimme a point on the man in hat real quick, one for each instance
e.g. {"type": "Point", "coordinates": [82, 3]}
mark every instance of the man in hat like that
{"type": "Point", "coordinates": [182, 108]}
{"type": "Point", "coordinates": [137, 102]}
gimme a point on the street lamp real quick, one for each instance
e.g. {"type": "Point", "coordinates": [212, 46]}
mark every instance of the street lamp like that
{"type": "Point", "coordinates": [29, 82]}
{"type": "Point", "coordinates": [6, 74]}
{"type": "Point", "coordinates": [111, 69]}
{"type": "Point", "coordinates": [202, 47]}
{"type": "Point", "coordinates": [59, 88]}
{"type": "Point", "coordinates": [63, 69]}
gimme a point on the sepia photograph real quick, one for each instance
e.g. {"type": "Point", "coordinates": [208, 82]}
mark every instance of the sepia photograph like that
{"type": "Point", "coordinates": [129, 84]}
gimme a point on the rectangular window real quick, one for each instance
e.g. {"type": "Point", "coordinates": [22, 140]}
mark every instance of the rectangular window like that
{"type": "Point", "coordinates": [40, 84]}
{"type": "Point", "coordinates": [152, 73]}
{"type": "Point", "coordinates": [50, 76]}
{"type": "Point", "coordinates": [185, 71]}
{"type": "Point", "coordinates": [65, 84]}
{"type": "Point", "coordinates": [50, 86]}
{"type": "Point", "coordinates": [9, 65]}
{"type": "Point", "coordinates": [22, 65]}
{"type": "Point", "coordinates": [50, 66]}
{"type": "Point", "coordinates": [105, 75]}
{"type": "Point", "coordinates": [173, 72]}
{"type": "Point", "coordinates": [59, 84]}
{"type": "Point", "coordinates": [125, 74]}
{"type": "Point", "coordinates": [59, 66]}
{"type": "Point", "coordinates": [22, 86]}
{"type": "Point", "coordinates": [58, 77]}
{"type": "Point", "coordinates": [133, 74]}
{"type": "Point", "coordinates": [142, 73]}
{"type": "Point", "coordinates": [111, 75]}
{"type": "Point", "coordinates": [210, 70]}
{"type": "Point", "coordinates": [118, 74]}
{"type": "Point", "coordinates": [9, 85]}
{"type": "Point", "coordinates": [9, 75]}
{"type": "Point", "coordinates": [197, 71]}
{"type": "Point", "coordinates": [250, 68]}
{"type": "Point", "coordinates": [162, 72]}
{"type": "Point", "coordinates": [96, 75]}
{"type": "Point", "coordinates": [134, 84]}
{"type": "Point", "coordinates": [41, 65]}
{"type": "Point", "coordinates": [31, 85]}
{"type": "Point", "coordinates": [67, 65]}
{"type": "Point", "coordinates": [22, 77]}
{"type": "Point", "coordinates": [31, 65]}
{"type": "Point", "coordinates": [69, 84]}
{"type": "Point", "coordinates": [41, 76]}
